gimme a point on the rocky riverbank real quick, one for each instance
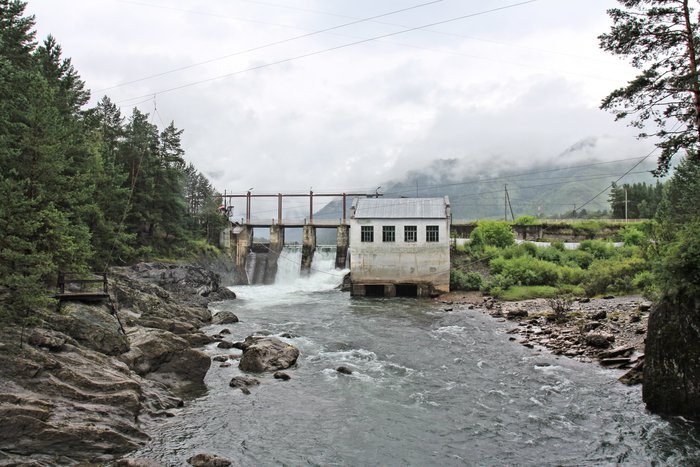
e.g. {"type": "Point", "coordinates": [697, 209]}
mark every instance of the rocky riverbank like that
{"type": "Point", "coordinates": [610, 330]}
{"type": "Point", "coordinates": [76, 386]}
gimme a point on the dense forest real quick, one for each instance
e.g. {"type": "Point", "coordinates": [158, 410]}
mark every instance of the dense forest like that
{"type": "Point", "coordinates": [83, 188]}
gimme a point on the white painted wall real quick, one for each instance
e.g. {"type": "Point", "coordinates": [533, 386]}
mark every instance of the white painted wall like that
{"type": "Point", "coordinates": [400, 262]}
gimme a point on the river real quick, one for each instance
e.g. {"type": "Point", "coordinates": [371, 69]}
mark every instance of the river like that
{"type": "Point", "coordinates": [429, 387]}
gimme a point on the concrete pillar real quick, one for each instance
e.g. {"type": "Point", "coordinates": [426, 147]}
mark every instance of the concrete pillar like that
{"type": "Point", "coordinates": [389, 290]}
{"type": "Point", "coordinates": [341, 252]}
{"type": "Point", "coordinates": [242, 244]}
{"type": "Point", "coordinates": [307, 249]}
{"type": "Point", "coordinates": [276, 245]}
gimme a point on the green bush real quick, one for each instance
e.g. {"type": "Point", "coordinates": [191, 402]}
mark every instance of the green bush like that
{"type": "Point", "coordinates": [572, 275]}
{"type": "Point", "coordinates": [588, 228]}
{"type": "Point", "coordinates": [598, 248]}
{"type": "Point", "coordinates": [526, 220]}
{"type": "Point", "coordinates": [679, 271]}
{"type": "Point", "coordinates": [492, 233]}
{"type": "Point", "coordinates": [559, 246]}
{"type": "Point", "coordinates": [580, 258]}
{"type": "Point", "coordinates": [469, 281]}
{"type": "Point", "coordinates": [605, 276]}
{"type": "Point", "coordinates": [548, 254]}
{"type": "Point", "coordinates": [631, 235]}
{"type": "Point", "coordinates": [497, 284]}
{"type": "Point", "coordinates": [524, 270]}
{"type": "Point", "coordinates": [572, 290]}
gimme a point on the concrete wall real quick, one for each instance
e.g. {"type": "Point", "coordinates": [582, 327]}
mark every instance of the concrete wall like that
{"type": "Point", "coordinates": [399, 262]}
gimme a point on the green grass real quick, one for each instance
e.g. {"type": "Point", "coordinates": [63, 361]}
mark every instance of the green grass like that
{"type": "Point", "coordinates": [526, 292]}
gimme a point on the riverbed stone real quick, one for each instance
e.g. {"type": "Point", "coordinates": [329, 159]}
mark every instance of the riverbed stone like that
{"type": "Point", "coordinates": [208, 460]}
{"type": "Point", "coordinates": [241, 382]}
{"type": "Point", "coordinates": [599, 340]}
{"type": "Point", "coordinates": [224, 317]}
{"type": "Point", "coordinates": [344, 370]}
{"type": "Point", "coordinates": [268, 354]}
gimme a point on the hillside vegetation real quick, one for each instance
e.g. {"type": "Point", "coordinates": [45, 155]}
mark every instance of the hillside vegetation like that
{"type": "Point", "coordinates": [493, 263]}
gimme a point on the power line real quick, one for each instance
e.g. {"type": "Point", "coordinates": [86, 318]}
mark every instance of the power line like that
{"type": "Point", "coordinates": [330, 49]}
{"type": "Point", "coordinates": [361, 20]}
{"type": "Point", "coordinates": [507, 44]}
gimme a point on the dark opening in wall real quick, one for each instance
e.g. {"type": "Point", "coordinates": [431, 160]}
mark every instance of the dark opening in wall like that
{"type": "Point", "coordinates": [406, 290]}
{"type": "Point", "coordinates": [374, 291]}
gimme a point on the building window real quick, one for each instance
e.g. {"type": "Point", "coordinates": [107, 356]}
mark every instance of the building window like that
{"type": "Point", "coordinates": [410, 233]}
{"type": "Point", "coordinates": [367, 233]}
{"type": "Point", "coordinates": [432, 233]}
{"type": "Point", "coordinates": [388, 233]}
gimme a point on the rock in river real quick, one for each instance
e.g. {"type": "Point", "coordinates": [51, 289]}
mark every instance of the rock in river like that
{"type": "Point", "coordinates": [268, 354]}
{"type": "Point", "coordinates": [224, 317]}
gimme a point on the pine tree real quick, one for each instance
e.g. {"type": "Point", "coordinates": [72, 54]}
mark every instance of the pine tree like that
{"type": "Point", "coordinates": [660, 37]}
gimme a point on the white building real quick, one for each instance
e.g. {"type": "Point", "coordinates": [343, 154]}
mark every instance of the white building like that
{"type": "Point", "coordinates": [400, 246]}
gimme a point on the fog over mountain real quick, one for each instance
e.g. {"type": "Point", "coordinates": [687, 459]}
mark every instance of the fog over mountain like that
{"type": "Point", "coordinates": [548, 186]}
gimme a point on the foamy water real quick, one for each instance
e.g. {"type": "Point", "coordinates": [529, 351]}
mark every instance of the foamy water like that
{"type": "Point", "coordinates": [428, 388]}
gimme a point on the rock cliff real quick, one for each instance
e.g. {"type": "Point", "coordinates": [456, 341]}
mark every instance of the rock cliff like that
{"type": "Point", "coordinates": [75, 386]}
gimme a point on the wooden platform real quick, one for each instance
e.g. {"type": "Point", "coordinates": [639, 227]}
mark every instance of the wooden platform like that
{"type": "Point", "coordinates": [75, 286]}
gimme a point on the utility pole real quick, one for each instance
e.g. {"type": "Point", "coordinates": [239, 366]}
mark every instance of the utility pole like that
{"type": "Point", "coordinates": [508, 205]}
{"type": "Point", "coordinates": [505, 203]}
{"type": "Point", "coordinates": [625, 204]}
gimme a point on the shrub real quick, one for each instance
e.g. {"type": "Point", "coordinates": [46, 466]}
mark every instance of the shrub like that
{"type": "Point", "coordinates": [580, 258]}
{"type": "Point", "coordinates": [612, 275]}
{"type": "Point", "coordinates": [643, 280]}
{"type": "Point", "coordinates": [558, 245]}
{"type": "Point", "coordinates": [497, 284]}
{"type": "Point", "coordinates": [561, 306]}
{"type": "Point", "coordinates": [632, 236]}
{"type": "Point", "coordinates": [526, 220]}
{"type": "Point", "coordinates": [469, 281]}
{"type": "Point", "coordinates": [572, 290]}
{"type": "Point", "coordinates": [524, 270]}
{"type": "Point", "coordinates": [588, 228]}
{"type": "Point", "coordinates": [548, 254]}
{"type": "Point", "coordinates": [497, 264]}
{"type": "Point", "coordinates": [528, 248]}
{"type": "Point", "coordinates": [572, 275]}
{"type": "Point", "coordinates": [598, 248]}
{"type": "Point", "coordinates": [492, 233]}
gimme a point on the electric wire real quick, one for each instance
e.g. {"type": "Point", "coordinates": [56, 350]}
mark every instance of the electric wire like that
{"type": "Point", "coordinates": [271, 44]}
{"type": "Point", "coordinates": [330, 49]}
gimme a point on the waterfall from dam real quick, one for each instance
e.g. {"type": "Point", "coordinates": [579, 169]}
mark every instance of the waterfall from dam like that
{"type": "Point", "coordinates": [260, 267]}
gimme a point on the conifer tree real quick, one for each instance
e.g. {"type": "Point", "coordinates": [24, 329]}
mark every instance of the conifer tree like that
{"type": "Point", "coordinates": [660, 37]}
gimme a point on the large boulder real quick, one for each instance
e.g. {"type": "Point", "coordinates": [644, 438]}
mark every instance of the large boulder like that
{"type": "Point", "coordinates": [268, 354]}
{"type": "Point", "coordinates": [93, 326]}
{"type": "Point", "coordinates": [165, 357]}
{"type": "Point", "coordinates": [72, 404]}
{"type": "Point", "coordinates": [225, 317]}
{"type": "Point", "coordinates": [199, 285]}
{"type": "Point", "coordinates": [671, 383]}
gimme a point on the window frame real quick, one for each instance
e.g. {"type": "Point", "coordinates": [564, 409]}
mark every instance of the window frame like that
{"type": "Point", "coordinates": [388, 234]}
{"type": "Point", "coordinates": [432, 233]}
{"type": "Point", "coordinates": [367, 234]}
{"type": "Point", "coordinates": [407, 233]}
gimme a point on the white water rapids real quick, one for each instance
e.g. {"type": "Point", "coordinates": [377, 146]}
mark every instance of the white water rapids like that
{"type": "Point", "coordinates": [429, 387]}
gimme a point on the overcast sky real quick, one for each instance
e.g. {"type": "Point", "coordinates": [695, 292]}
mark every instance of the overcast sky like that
{"type": "Point", "coordinates": [519, 84]}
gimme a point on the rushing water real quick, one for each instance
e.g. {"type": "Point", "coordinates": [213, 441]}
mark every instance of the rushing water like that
{"type": "Point", "coordinates": [429, 387]}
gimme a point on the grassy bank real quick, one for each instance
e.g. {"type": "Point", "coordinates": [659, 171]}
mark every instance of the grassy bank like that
{"type": "Point", "coordinates": [493, 264]}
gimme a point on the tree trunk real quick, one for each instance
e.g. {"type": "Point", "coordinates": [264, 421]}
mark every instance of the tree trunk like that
{"type": "Point", "coordinates": [695, 84]}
